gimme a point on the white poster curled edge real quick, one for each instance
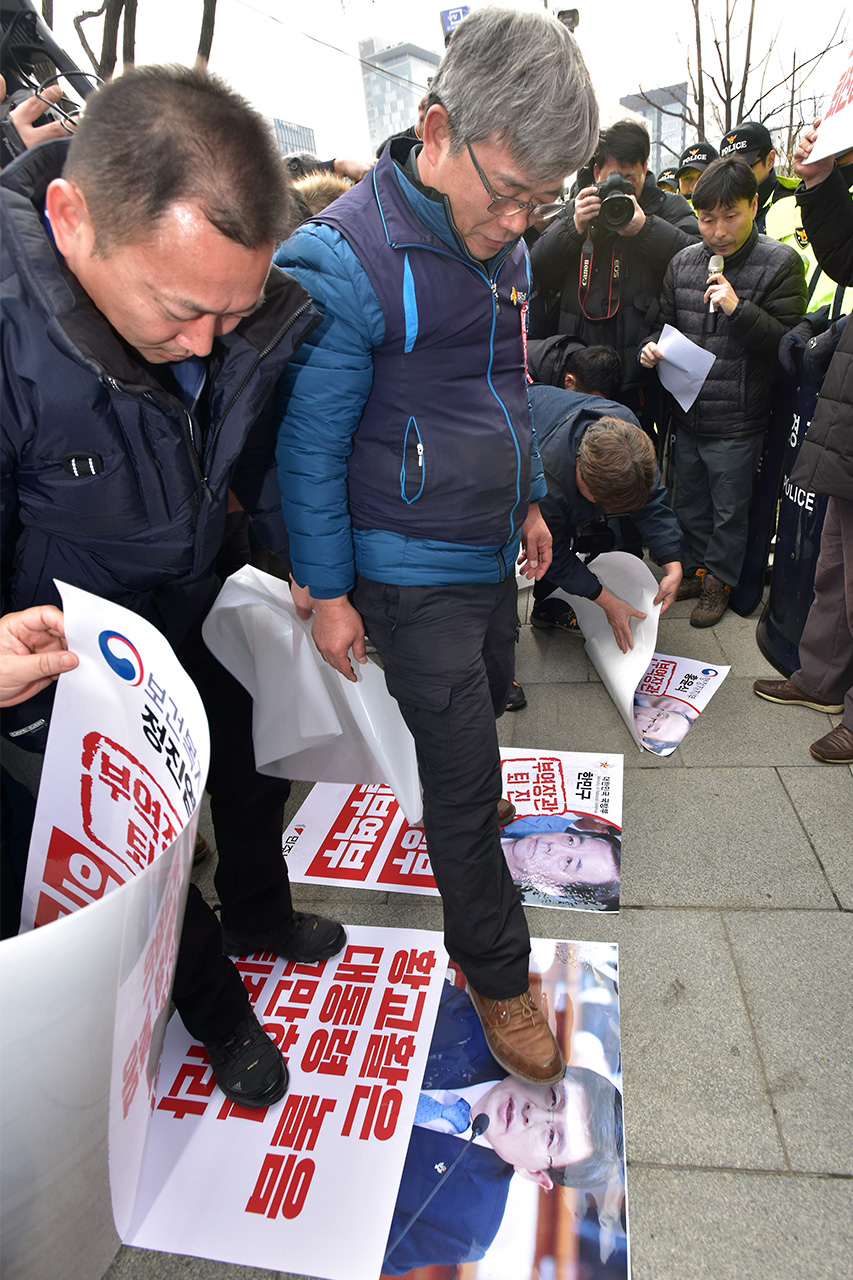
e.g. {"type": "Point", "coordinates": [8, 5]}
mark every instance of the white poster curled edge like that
{"type": "Point", "coordinates": [631, 579]}
{"type": "Point", "coordinates": [310, 722]}
{"type": "Point", "coordinates": [84, 996]}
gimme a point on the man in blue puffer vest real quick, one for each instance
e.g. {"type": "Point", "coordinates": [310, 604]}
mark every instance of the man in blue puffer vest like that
{"type": "Point", "coordinates": [406, 449]}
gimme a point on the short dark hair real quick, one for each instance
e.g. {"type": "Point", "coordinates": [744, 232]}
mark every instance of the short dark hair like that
{"type": "Point", "coordinates": [157, 136]}
{"type": "Point", "coordinates": [617, 464]}
{"type": "Point", "coordinates": [596, 370]}
{"type": "Point", "coordinates": [723, 183]}
{"type": "Point", "coordinates": [604, 1122]}
{"type": "Point", "coordinates": [626, 142]}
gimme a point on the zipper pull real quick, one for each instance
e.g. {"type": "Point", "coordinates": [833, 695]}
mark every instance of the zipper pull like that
{"type": "Point", "coordinates": [495, 293]}
{"type": "Point", "coordinates": [420, 454]}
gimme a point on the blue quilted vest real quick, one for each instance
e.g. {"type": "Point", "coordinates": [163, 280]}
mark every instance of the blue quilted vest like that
{"type": "Point", "coordinates": [442, 449]}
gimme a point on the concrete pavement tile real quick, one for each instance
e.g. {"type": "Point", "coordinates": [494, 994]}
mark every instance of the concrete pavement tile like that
{"type": "Point", "coordinates": [676, 636]}
{"type": "Point", "coordinates": [741, 649]}
{"type": "Point", "coordinates": [739, 728]}
{"type": "Point", "coordinates": [550, 657]}
{"type": "Point", "coordinates": [145, 1264]}
{"type": "Point", "coordinates": [739, 843]}
{"type": "Point", "coordinates": [739, 1226]}
{"type": "Point", "coordinates": [399, 911]}
{"type": "Point", "coordinates": [796, 970]}
{"type": "Point", "coordinates": [577, 717]}
{"type": "Point", "coordinates": [694, 1085]}
{"type": "Point", "coordinates": [825, 806]}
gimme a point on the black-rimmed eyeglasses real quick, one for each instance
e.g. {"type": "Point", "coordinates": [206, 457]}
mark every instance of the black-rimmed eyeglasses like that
{"type": "Point", "coordinates": [509, 204]}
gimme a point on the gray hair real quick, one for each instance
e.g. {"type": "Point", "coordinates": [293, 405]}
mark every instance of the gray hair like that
{"type": "Point", "coordinates": [518, 79]}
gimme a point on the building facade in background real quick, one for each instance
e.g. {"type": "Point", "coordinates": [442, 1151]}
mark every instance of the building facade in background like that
{"type": "Point", "coordinates": [667, 132]}
{"type": "Point", "coordinates": [395, 80]}
{"type": "Point", "coordinates": [293, 137]}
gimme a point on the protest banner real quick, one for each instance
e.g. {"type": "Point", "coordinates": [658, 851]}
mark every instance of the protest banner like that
{"type": "Point", "coordinates": [835, 133]}
{"type": "Point", "coordinates": [85, 994]}
{"type": "Point", "coordinates": [563, 847]}
{"type": "Point", "coordinates": [367, 1034]}
{"type": "Point", "coordinates": [355, 1030]}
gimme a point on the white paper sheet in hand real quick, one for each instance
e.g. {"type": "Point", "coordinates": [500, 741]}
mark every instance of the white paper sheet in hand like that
{"type": "Point", "coordinates": [685, 366]}
{"type": "Point", "coordinates": [632, 580]}
{"type": "Point", "coordinates": [310, 722]}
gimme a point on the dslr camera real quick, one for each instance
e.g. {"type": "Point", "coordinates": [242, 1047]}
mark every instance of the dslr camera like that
{"type": "Point", "coordinates": [617, 207]}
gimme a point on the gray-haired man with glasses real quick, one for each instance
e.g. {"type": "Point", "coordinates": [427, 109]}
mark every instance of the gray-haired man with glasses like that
{"type": "Point", "coordinates": [407, 459]}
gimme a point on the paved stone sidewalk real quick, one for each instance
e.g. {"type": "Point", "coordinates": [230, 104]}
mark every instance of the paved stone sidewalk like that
{"type": "Point", "coordinates": [736, 962]}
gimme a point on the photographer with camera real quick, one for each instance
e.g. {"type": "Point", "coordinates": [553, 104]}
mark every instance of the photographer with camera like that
{"type": "Point", "coordinates": [607, 255]}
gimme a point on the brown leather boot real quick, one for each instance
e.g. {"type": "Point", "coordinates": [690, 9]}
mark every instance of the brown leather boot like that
{"type": "Point", "coordinates": [506, 811]}
{"type": "Point", "coordinates": [519, 1038]}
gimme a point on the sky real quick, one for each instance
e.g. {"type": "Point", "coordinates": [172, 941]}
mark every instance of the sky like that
{"type": "Point", "coordinates": [298, 59]}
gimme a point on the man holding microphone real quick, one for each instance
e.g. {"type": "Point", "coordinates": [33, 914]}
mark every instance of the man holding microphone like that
{"type": "Point", "coordinates": [736, 294]}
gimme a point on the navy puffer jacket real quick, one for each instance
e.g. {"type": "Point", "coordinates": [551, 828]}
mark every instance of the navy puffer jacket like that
{"type": "Point", "coordinates": [108, 484]}
{"type": "Point", "coordinates": [769, 280]}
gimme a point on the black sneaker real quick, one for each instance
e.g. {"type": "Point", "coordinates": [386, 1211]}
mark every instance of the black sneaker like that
{"type": "Point", "coordinates": [248, 1066]}
{"type": "Point", "coordinates": [308, 939]}
{"type": "Point", "coordinates": [516, 699]}
{"type": "Point", "coordinates": [555, 613]}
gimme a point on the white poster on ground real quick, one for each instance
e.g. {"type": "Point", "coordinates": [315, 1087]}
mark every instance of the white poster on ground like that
{"type": "Point", "coordinates": [563, 847]}
{"type": "Point", "coordinates": [658, 696]}
{"type": "Point", "coordinates": [307, 1185]}
{"type": "Point", "coordinates": [670, 698]}
{"type": "Point", "coordinates": [85, 993]}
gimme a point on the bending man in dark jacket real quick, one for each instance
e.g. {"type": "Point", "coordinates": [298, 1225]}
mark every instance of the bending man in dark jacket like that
{"type": "Point", "coordinates": [824, 680]}
{"type": "Point", "coordinates": [760, 295]}
{"type": "Point", "coordinates": [598, 463]}
{"type": "Point", "coordinates": [609, 281]}
{"type": "Point", "coordinates": [143, 331]}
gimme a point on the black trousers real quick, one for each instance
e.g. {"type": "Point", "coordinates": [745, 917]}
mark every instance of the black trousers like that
{"type": "Point", "coordinates": [251, 881]}
{"type": "Point", "coordinates": [449, 661]}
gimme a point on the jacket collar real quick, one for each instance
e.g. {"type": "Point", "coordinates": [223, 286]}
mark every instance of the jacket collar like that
{"type": "Point", "coordinates": [430, 207]}
{"type": "Point", "coordinates": [735, 259]}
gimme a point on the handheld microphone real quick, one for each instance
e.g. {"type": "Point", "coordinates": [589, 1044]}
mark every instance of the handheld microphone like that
{"type": "Point", "coordinates": [715, 265]}
{"type": "Point", "coordinates": [479, 1125]}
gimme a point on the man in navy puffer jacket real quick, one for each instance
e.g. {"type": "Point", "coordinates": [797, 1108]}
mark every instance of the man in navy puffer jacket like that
{"type": "Point", "coordinates": [143, 332]}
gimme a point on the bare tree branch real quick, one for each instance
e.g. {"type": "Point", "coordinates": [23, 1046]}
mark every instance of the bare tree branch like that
{"type": "Point", "coordinates": [112, 11]}
{"type": "Point", "coordinates": [205, 39]}
{"type": "Point", "coordinates": [746, 60]}
{"type": "Point", "coordinates": [128, 46]}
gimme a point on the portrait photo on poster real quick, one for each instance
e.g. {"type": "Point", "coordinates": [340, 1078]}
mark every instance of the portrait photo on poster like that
{"type": "Point", "coordinates": [513, 1179]}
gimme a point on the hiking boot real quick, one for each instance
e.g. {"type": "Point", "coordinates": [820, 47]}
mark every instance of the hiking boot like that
{"type": "Point", "coordinates": [713, 602]}
{"type": "Point", "coordinates": [519, 1038]}
{"type": "Point", "coordinates": [516, 699]}
{"type": "Point", "coordinates": [835, 747]}
{"type": "Point", "coordinates": [306, 939]}
{"type": "Point", "coordinates": [247, 1065]}
{"type": "Point", "coordinates": [786, 692]}
{"type": "Point", "coordinates": [557, 614]}
{"type": "Point", "coordinates": [691, 585]}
